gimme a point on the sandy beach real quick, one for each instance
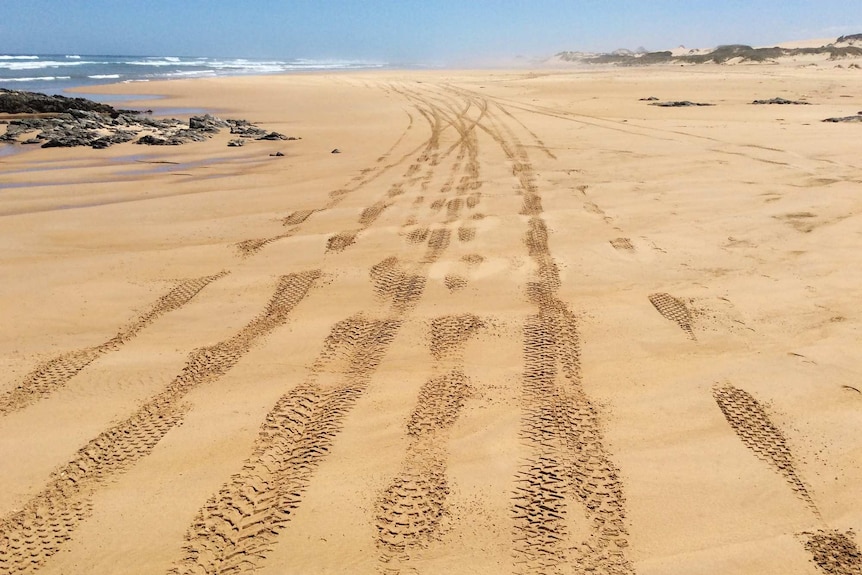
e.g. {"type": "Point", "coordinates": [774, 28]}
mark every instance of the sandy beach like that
{"type": "Point", "coordinates": [524, 322]}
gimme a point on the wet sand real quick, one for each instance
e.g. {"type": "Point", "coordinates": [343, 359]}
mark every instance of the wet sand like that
{"type": "Point", "coordinates": [524, 322]}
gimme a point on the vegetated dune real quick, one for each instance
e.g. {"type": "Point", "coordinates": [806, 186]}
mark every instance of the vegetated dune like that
{"type": "Point", "coordinates": [844, 47]}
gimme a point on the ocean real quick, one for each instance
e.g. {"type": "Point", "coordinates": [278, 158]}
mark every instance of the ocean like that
{"type": "Point", "coordinates": [53, 74]}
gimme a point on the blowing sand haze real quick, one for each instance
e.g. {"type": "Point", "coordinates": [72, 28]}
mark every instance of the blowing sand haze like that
{"type": "Point", "coordinates": [524, 322]}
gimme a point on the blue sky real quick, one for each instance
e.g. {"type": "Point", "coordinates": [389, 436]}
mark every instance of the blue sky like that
{"type": "Point", "coordinates": [408, 31]}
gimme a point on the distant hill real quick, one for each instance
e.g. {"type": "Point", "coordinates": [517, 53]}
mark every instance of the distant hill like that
{"type": "Point", "coordinates": [844, 47]}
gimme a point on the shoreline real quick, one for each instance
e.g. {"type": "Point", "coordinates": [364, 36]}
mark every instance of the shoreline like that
{"type": "Point", "coordinates": [526, 306]}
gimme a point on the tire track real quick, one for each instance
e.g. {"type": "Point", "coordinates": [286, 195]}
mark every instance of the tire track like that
{"type": "Point", "coordinates": [751, 423]}
{"type": "Point", "coordinates": [297, 217]}
{"type": "Point", "coordinates": [438, 122]}
{"type": "Point", "coordinates": [55, 373]}
{"type": "Point", "coordinates": [251, 246]}
{"type": "Point", "coordinates": [454, 282]}
{"type": "Point", "coordinates": [623, 245]}
{"type": "Point", "coordinates": [438, 241]}
{"type": "Point", "coordinates": [466, 144]}
{"type": "Point", "coordinates": [835, 553]}
{"type": "Point", "coordinates": [743, 150]}
{"type": "Point", "coordinates": [238, 526]}
{"type": "Point", "coordinates": [31, 535]}
{"type": "Point", "coordinates": [569, 469]}
{"type": "Point", "coordinates": [410, 510]}
{"type": "Point", "coordinates": [675, 310]}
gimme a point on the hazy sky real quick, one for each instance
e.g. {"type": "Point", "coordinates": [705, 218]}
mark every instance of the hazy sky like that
{"type": "Point", "coordinates": [409, 31]}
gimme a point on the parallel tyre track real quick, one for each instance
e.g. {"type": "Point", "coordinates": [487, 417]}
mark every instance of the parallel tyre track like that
{"type": "Point", "coordinates": [251, 246]}
{"type": "Point", "coordinates": [569, 469]}
{"type": "Point", "coordinates": [55, 373]}
{"type": "Point", "coordinates": [238, 527]}
{"type": "Point", "coordinates": [37, 531]}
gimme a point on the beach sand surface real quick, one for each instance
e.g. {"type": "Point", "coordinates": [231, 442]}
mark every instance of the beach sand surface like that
{"type": "Point", "coordinates": [524, 322]}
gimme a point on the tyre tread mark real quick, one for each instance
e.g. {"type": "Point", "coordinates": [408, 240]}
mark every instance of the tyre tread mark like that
{"type": "Point", "coordinates": [752, 424]}
{"type": "Point", "coordinates": [833, 552]}
{"type": "Point", "coordinates": [31, 535]}
{"type": "Point", "coordinates": [55, 373]}
{"type": "Point", "coordinates": [675, 310]}
{"type": "Point", "coordinates": [412, 508]}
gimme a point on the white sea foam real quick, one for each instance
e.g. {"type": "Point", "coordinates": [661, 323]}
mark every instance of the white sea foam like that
{"type": "Point", "coordinates": [41, 70]}
{"type": "Point", "coordinates": [41, 64]}
{"type": "Point", "coordinates": [160, 62]}
{"type": "Point", "coordinates": [186, 74]}
{"type": "Point", "coordinates": [37, 79]}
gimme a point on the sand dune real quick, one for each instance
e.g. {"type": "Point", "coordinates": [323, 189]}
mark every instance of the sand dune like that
{"type": "Point", "coordinates": [523, 323]}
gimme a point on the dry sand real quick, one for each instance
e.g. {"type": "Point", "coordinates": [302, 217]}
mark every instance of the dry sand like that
{"type": "Point", "coordinates": [523, 323]}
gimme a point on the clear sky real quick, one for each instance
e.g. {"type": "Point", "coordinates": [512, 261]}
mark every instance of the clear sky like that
{"type": "Point", "coordinates": [408, 31]}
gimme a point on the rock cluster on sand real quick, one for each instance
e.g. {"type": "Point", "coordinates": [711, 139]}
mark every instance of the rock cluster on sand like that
{"type": "Point", "coordinates": [80, 122]}
{"type": "Point", "coordinates": [781, 102]}
{"type": "Point", "coordinates": [679, 104]}
{"type": "Point", "coordinates": [19, 102]}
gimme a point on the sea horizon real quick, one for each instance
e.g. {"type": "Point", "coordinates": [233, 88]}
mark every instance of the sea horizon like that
{"type": "Point", "coordinates": [56, 74]}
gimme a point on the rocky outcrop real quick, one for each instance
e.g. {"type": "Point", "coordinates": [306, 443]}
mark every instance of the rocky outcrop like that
{"type": "Point", "coordinates": [19, 102]}
{"type": "Point", "coordinates": [208, 123]}
{"type": "Point", "coordinates": [79, 122]}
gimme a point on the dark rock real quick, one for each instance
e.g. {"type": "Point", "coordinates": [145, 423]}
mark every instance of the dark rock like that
{"type": "Point", "coordinates": [856, 118]}
{"type": "Point", "coordinates": [150, 140]}
{"type": "Point", "coordinates": [71, 140]}
{"type": "Point", "coordinates": [19, 102]}
{"type": "Point", "coordinates": [679, 104]}
{"type": "Point", "coordinates": [245, 129]}
{"type": "Point", "coordinates": [335, 151]}
{"type": "Point", "coordinates": [185, 136]}
{"type": "Point", "coordinates": [80, 122]}
{"type": "Point", "coordinates": [236, 143]}
{"type": "Point", "coordinates": [277, 154]}
{"type": "Point", "coordinates": [649, 99]}
{"type": "Point", "coordinates": [119, 137]}
{"type": "Point", "coordinates": [781, 102]}
{"type": "Point", "coordinates": [207, 123]}
{"type": "Point", "coordinates": [273, 136]}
